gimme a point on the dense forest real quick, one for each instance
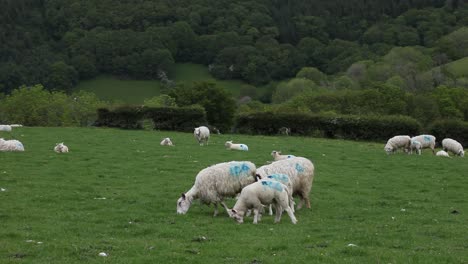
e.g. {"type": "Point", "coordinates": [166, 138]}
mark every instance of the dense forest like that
{"type": "Point", "coordinates": [403, 52]}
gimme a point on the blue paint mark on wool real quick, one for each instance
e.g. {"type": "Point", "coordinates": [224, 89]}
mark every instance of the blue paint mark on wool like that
{"type": "Point", "coordinates": [299, 168]}
{"type": "Point", "coordinates": [291, 156]}
{"type": "Point", "coordinates": [427, 138]}
{"type": "Point", "coordinates": [19, 145]}
{"type": "Point", "coordinates": [279, 177]}
{"type": "Point", "coordinates": [273, 185]}
{"type": "Point", "coordinates": [238, 169]}
{"type": "Point", "coordinates": [244, 147]}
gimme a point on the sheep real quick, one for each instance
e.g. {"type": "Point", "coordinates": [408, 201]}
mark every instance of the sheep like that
{"type": "Point", "coordinates": [284, 179]}
{"type": "Point", "coordinates": [286, 131]}
{"type": "Point", "coordinates": [202, 134]}
{"type": "Point", "coordinates": [5, 128]}
{"type": "Point", "coordinates": [216, 182]}
{"type": "Point", "coordinates": [11, 145]}
{"type": "Point", "coordinates": [300, 171]}
{"type": "Point", "coordinates": [396, 142]}
{"type": "Point", "coordinates": [61, 148]}
{"type": "Point", "coordinates": [255, 195]}
{"type": "Point", "coordinates": [16, 125]}
{"type": "Point", "coordinates": [442, 153]}
{"type": "Point", "coordinates": [453, 146]}
{"type": "Point", "coordinates": [277, 155]}
{"type": "Point", "coordinates": [415, 145]}
{"type": "Point", "coordinates": [427, 141]}
{"type": "Point", "coordinates": [230, 145]}
{"type": "Point", "coordinates": [166, 142]}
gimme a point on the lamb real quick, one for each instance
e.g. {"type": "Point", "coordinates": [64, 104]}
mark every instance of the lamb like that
{"type": "Point", "coordinates": [415, 145]}
{"type": "Point", "coordinates": [396, 142]}
{"type": "Point", "coordinates": [202, 134]}
{"type": "Point", "coordinates": [277, 155]}
{"type": "Point", "coordinates": [284, 179]}
{"type": "Point", "coordinates": [16, 125]}
{"type": "Point", "coordinates": [255, 195]}
{"type": "Point", "coordinates": [230, 145]}
{"type": "Point", "coordinates": [300, 171]}
{"type": "Point", "coordinates": [216, 182]}
{"type": "Point", "coordinates": [442, 153]}
{"type": "Point", "coordinates": [11, 145]}
{"type": "Point", "coordinates": [453, 146]}
{"type": "Point", "coordinates": [427, 141]}
{"type": "Point", "coordinates": [5, 128]}
{"type": "Point", "coordinates": [61, 148]}
{"type": "Point", "coordinates": [166, 142]}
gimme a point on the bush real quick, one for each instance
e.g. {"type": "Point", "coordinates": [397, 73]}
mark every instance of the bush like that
{"type": "Point", "coordinates": [454, 129]}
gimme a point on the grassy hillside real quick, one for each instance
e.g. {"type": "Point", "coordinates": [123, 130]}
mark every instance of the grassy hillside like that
{"type": "Point", "coordinates": [116, 192]}
{"type": "Point", "coordinates": [459, 68]}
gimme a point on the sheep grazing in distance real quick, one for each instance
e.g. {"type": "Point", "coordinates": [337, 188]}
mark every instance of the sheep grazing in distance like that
{"type": "Point", "coordinates": [16, 125]}
{"type": "Point", "coordinates": [277, 155]}
{"type": "Point", "coordinates": [396, 142]}
{"type": "Point", "coordinates": [202, 134]}
{"type": "Point", "coordinates": [426, 141]}
{"type": "Point", "coordinates": [286, 131]}
{"type": "Point", "coordinates": [230, 145]}
{"type": "Point", "coordinates": [5, 128]}
{"type": "Point", "coordinates": [257, 194]}
{"type": "Point", "coordinates": [442, 153]}
{"type": "Point", "coordinates": [166, 142]}
{"type": "Point", "coordinates": [216, 182]}
{"type": "Point", "coordinates": [300, 171]}
{"type": "Point", "coordinates": [415, 146]}
{"type": "Point", "coordinates": [61, 148]}
{"type": "Point", "coordinates": [453, 146]}
{"type": "Point", "coordinates": [11, 145]}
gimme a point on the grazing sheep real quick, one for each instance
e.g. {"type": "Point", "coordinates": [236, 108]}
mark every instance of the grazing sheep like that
{"type": "Point", "coordinates": [427, 141]}
{"type": "Point", "coordinates": [277, 155]}
{"type": "Point", "coordinates": [5, 128]}
{"type": "Point", "coordinates": [453, 146]}
{"type": "Point", "coordinates": [11, 145]}
{"type": "Point", "coordinates": [396, 142]}
{"type": "Point", "coordinates": [415, 146]}
{"type": "Point", "coordinates": [166, 142]}
{"type": "Point", "coordinates": [442, 153]}
{"type": "Point", "coordinates": [284, 179]}
{"type": "Point", "coordinates": [202, 134]}
{"type": "Point", "coordinates": [255, 195]}
{"type": "Point", "coordinates": [230, 145]}
{"type": "Point", "coordinates": [61, 148]}
{"type": "Point", "coordinates": [16, 125]}
{"type": "Point", "coordinates": [286, 131]}
{"type": "Point", "coordinates": [300, 171]}
{"type": "Point", "coordinates": [216, 182]}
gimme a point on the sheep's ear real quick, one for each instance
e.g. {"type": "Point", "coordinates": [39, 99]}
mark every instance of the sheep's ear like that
{"type": "Point", "coordinates": [233, 211]}
{"type": "Point", "coordinates": [258, 177]}
{"type": "Point", "coordinates": [183, 196]}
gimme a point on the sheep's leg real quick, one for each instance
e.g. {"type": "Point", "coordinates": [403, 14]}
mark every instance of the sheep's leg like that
{"type": "Point", "coordinates": [270, 211]}
{"type": "Point", "coordinates": [215, 209]}
{"type": "Point", "coordinates": [255, 221]}
{"type": "Point", "coordinates": [279, 211]}
{"type": "Point", "coordinates": [291, 215]}
{"type": "Point", "coordinates": [225, 207]}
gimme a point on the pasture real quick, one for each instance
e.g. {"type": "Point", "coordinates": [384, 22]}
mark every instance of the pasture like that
{"type": "Point", "coordinates": [116, 192]}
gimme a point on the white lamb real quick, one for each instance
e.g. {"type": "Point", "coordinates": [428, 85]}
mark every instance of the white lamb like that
{"type": "Point", "coordinates": [11, 145]}
{"type": "Point", "coordinates": [453, 146]}
{"type": "Point", "coordinates": [166, 142]}
{"type": "Point", "coordinates": [230, 145]}
{"type": "Point", "coordinates": [5, 128]}
{"type": "Point", "coordinates": [442, 153]}
{"type": "Point", "coordinates": [257, 194]}
{"type": "Point", "coordinates": [216, 182]}
{"type": "Point", "coordinates": [396, 142]}
{"type": "Point", "coordinates": [300, 171]}
{"type": "Point", "coordinates": [427, 141]}
{"type": "Point", "coordinates": [202, 134]}
{"type": "Point", "coordinates": [16, 125]}
{"type": "Point", "coordinates": [415, 146]}
{"type": "Point", "coordinates": [61, 148]}
{"type": "Point", "coordinates": [284, 179]}
{"type": "Point", "coordinates": [277, 155]}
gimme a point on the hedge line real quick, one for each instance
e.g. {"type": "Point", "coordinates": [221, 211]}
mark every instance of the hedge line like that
{"type": "Point", "coordinates": [455, 129]}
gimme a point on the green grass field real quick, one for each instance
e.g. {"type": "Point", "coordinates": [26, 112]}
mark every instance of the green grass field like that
{"type": "Point", "coordinates": [116, 192]}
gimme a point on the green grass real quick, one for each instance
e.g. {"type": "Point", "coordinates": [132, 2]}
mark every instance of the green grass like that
{"type": "Point", "coordinates": [396, 209]}
{"type": "Point", "coordinates": [459, 68]}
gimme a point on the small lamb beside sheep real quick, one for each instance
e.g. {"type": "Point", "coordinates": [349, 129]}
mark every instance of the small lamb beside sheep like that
{"type": "Point", "coordinates": [230, 145]}
{"type": "Point", "coordinates": [415, 146]}
{"type": "Point", "coordinates": [277, 155]}
{"type": "Point", "coordinates": [442, 153]}
{"type": "Point", "coordinates": [426, 141]}
{"type": "Point", "coordinates": [453, 146]}
{"type": "Point", "coordinates": [166, 142]}
{"type": "Point", "coordinates": [202, 135]}
{"type": "Point", "coordinates": [396, 142]}
{"type": "Point", "coordinates": [61, 148]}
{"type": "Point", "coordinates": [11, 145]}
{"type": "Point", "coordinates": [6, 128]}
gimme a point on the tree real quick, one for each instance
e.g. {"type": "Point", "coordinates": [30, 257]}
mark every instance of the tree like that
{"type": "Point", "coordinates": [312, 74]}
{"type": "Point", "coordinates": [62, 76]}
{"type": "Point", "coordinates": [296, 86]}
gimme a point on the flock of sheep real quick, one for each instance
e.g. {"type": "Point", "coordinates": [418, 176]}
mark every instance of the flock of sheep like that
{"type": "Point", "coordinates": [16, 145]}
{"type": "Point", "coordinates": [416, 144]}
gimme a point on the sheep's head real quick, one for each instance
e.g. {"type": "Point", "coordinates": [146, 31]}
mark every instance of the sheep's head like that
{"type": "Point", "coordinates": [388, 149]}
{"type": "Point", "coordinates": [183, 204]}
{"type": "Point", "coordinates": [228, 144]}
{"type": "Point", "coordinates": [461, 153]}
{"type": "Point", "coordinates": [238, 216]}
{"type": "Point", "coordinates": [197, 131]}
{"type": "Point", "coordinates": [274, 153]}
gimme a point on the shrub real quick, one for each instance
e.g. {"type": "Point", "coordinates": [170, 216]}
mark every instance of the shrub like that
{"type": "Point", "coordinates": [455, 129]}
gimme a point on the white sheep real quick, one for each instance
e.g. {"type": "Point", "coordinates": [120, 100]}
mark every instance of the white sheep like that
{"type": "Point", "coordinates": [396, 142]}
{"type": "Point", "coordinates": [5, 128]}
{"type": "Point", "coordinates": [300, 171]}
{"type": "Point", "coordinates": [277, 155]}
{"type": "Point", "coordinates": [284, 179]}
{"type": "Point", "coordinates": [230, 145]}
{"type": "Point", "coordinates": [442, 153]}
{"type": "Point", "coordinates": [11, 145]}
{"type": "Point", "coordinates": [166, 142]}
{"type": "Point", "coordinates": [16, 125]}
{"type": "Point", "coordinates": [216, 182]}
{"type": "Point", "coordinates": [427, 141]}
{"type": "Point", "coordinates": [202, 134]}
{"type": "Point", "coordinates": [61, 148]}
{"type": "Point", "coordinates": [453, 146]}
{"type": "Point", "coordinates": [415, 146]}
{"type": "Point", "coordinates": [257, 194]}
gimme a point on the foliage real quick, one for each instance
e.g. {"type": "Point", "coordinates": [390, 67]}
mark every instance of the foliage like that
{"type": "Point", "coordinates": [161, 100]}
{"type": "Point", "coordinates": [450, 128]}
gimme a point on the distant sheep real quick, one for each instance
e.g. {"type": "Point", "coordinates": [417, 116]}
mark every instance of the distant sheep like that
{"type": "Point", "coordinates": [257, 194]}
{"type": "Point", "coordinates": [5, 128]}
{"type": "Point", "coordinates": [396, 142]}
{"type": "Point", "coordinates": [16, 125]}
{"type": "Point", "coordinates": [277, 155]}
{"type": "Point", "coordinates": [415, 146]}
{"type": "Point", "coordinates": [216, 182]}
{"type": "Point", "coordinates": [166, 142]}
{"type": "Point", "coordinates": [453, 146]}
{"type": "Point", "coordinates": [442, 153]}
{"type": "Point", "coordinates": [230, 145]}
{"type": "Point", "coordinates": [11, 145]}
{"type": "Point", "coordinates": [427, 141]}
{"type": "Point", "coordinates": [286, 131]}
{"type": "Point", "coordinates": [202, 134]}
{"type": "Point", "coordinates": [61, 148]}
{"type": "Point", "coordinates": [300, 171]}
